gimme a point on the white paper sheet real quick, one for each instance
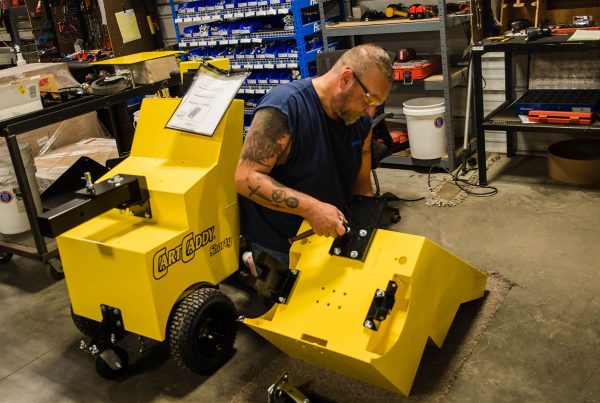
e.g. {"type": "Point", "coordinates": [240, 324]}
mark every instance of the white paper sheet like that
{"type": "Point", "coordinates": [584, 35]}
{"type": "Point", "coordinates": [205, 103]}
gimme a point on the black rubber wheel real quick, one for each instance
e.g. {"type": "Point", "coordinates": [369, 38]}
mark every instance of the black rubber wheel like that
{"type": "Point", "coordinates": [106, 372]}
{"type": "Point", "coordinates": [109, 85]}
{"type": "Point", "coordinates": [202, 330]}
{"type": "Point", "coordinates": [5, 257]}
{"type": "Point", "coordinates": [85, 325]}
{"type": "Point", "coordinates": [55, 268]}
{"type": "Point", "coordinates": [395, 218]}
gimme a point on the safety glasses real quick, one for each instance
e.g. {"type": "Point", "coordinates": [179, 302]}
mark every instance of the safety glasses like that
{"type": "Point", "coordinates": [370, 99]}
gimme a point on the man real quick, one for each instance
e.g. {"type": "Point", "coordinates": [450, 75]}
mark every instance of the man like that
{"type": "Point", "coordinates": [308, 151]}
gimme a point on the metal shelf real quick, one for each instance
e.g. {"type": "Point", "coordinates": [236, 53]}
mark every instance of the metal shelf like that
{"type": "Point", "coordinates": [504, 118]}
{"type": "Point", "coordinates": [391, 26]}
{"type": "Point", "coordinates": [436, 82]}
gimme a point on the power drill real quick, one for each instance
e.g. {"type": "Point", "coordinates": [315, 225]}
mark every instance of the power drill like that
{"type": "Point", "coordinates": [536, 33]}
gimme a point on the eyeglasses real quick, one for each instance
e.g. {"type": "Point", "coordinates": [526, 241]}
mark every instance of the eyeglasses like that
{"type": "Point", "coordinates": [370, 99]}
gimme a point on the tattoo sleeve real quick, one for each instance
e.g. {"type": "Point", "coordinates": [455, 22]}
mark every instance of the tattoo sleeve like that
{"type": "Point", "coordinates": [266, 138]}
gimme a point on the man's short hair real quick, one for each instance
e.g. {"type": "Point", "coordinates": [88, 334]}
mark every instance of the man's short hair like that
{"type": "Point", "coordinates": [363, 58]}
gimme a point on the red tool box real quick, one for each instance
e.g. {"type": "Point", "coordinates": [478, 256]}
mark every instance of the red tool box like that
{"type": "Point", "coordinates": [416, 69]}
{"type": "Point", "coordinates": [573, 118]}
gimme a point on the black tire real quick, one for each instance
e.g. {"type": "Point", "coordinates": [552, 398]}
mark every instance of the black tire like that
{"type": "Point", "coordinates": [55, 268]}
{"type": "Point", "coordinates": [202, 330]}
{"type": "Point", "coordinates": [5, 257]}
{"type": "Point", "coordinates": [109, 85]}
{"type": "Point", "coordinates": [106, 372]}
{"type": "Point", "coordinates": [85, 325]}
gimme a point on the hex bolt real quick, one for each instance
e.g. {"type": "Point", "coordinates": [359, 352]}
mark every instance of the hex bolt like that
{"type": "Point", "coordinates": [103, 308]}
{"type": "Point", "coordinates": [118, 323]}
{"type": "Point", "coordinates": [380, 293]}
{"type": "Point", "coordinates": [94, 349]}
{"type": "Point", "coordinates": [147, 215]}
{"type": "Point", "coordinates": [241, 318]}
{"type": "Point", "coordinates": [294, 272]}
{"type": "Point", "coordinates": [282, 300]}
{"type": "Point", "coordinates": [337, 251]}
{"type": "Point", "coordinates": [82, 345]}
{"type": "Point", "coordinates": [116, 311]}
{"type": "Point", "coordinates": [353, 254]}
{"type": "Point", "coordinates": [362, 233]}
{"type": "Point", "coordinates": [368, 324]}
{"type": "Point", "coordinates": [113, 338]}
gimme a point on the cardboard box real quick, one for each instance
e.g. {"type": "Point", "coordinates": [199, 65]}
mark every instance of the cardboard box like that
{"type": "Point", "coordinates": [53, 164]}
{"type": "Point", "coordinates": [19, 98]}
{"type": "Point", "coordinates": [60, 71]}
{"type": "Point", "coordinates": [63, 133]}
{"type": "Point", "coordinates": [149, 71]}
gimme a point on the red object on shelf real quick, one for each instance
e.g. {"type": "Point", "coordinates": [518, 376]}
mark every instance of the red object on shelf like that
{"type": "Point", "coordinates": [417, 69]}
{"type": "Point", "coordinates": [573, 118]}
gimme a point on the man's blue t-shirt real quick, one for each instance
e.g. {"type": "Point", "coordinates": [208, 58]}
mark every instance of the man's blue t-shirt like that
{"type": "Point", "coordinates": [324, 161]}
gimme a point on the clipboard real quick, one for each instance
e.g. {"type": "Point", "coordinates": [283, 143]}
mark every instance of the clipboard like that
{"type": "Point", "coordinates": [208, 98]}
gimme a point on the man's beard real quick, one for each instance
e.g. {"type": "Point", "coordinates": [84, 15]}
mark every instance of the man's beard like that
{"type": "Point", "coordinates": [349, 117]}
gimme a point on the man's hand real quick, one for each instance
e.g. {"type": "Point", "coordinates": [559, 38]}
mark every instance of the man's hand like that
{"type": "Point", "coordinates": [325, 219]}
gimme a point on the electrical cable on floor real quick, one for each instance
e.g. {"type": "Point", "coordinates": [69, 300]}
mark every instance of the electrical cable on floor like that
{"type": "Point", "coordinates": [459, 183]}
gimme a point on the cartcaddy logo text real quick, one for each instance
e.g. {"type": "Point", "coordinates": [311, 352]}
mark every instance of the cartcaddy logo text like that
{"type": "Point", "coordinates": [185, 252]}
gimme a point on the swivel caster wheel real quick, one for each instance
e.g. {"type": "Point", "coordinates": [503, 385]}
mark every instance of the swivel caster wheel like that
{"type": "Point", "coordinates": [55, 268]}
{"type": "Point", "coordinates": [5, 257]}
{"type": "Point", "coordinates": [112, 363]}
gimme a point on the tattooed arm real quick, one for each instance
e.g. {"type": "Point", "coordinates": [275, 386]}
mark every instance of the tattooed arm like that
{"type": "Point", "coordinates": [267, 144]}
{"type": "Point", "coordinates": [363, 185]}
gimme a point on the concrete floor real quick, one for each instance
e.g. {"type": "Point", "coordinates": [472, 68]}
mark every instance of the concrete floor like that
{"type": "Point", "coordinates": [542, 346]}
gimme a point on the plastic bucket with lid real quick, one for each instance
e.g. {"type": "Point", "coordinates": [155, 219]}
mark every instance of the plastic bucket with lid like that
{"type": "Point", "coordinates": [13, 216]}
{"type": "Point", "coordinates": [426, 123]}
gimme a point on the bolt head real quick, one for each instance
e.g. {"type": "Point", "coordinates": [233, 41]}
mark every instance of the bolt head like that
{"type": "Point", "coordinates": [337, 251]}
{"type": "Point", "coordinates": [380, 293]}
{"type": "Point", "coordinates": [282, 300]}
{"type": "Point", "coordinates": [362, 233]}
{"type": "Point", "coordinates": [147, 215]}
{"type": "Point", "coordinates": [368, 324]}
{"type": "Point", "coordinates": [353, 254]}
{"type": "Point", "coordinates": [295, 272]}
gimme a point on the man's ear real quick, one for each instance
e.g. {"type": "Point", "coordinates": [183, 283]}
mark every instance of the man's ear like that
{"type": "Point", "coordinates": [345, 81]}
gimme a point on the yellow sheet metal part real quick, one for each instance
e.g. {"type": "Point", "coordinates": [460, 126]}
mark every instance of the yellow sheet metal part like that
{"type": "Point", "coordinates": [143, 266]}
{"type": "Point", "coordinates": [323, 320]}
{"type": "Point", "coordinates": [138, 57]}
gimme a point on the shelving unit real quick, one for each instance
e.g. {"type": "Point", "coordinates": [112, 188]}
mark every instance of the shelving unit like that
{"type": "Point", "coordinates": [450, 77]}
{"type": "Point", "coordinates": [503, 117]}
{"type": "Point", "coordinates": [303, 38]}
{"type": "Point", "coordinates": [20, 31]}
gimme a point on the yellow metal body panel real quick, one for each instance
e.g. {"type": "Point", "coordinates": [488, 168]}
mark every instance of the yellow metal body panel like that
{"type": "Point", "coordinates": [223, 64]}
{"type": "Point", "coordinates": [322, 322]}
{"type": "Point", "coordinates": [138, 57]}
{"type": "Point", "coordinates": [143, 266]}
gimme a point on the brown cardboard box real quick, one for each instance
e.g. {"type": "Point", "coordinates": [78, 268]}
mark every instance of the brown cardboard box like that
{"type": "Point", "coordinates": [53, 164]}
{"type": "Point", "coordinates": [149, 71]}
{"type": "Point", "coordinates": [57, 135]}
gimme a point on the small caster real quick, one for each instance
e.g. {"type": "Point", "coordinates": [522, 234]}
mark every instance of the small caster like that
{"type": "Point", "coordinates": [395, 218]}
{"type": "Point", "coordinates": [55, 268]}
{"type": "Point", "coordinates": [112, 363]}
{"type": "Point", "coordinates": [5, 257]}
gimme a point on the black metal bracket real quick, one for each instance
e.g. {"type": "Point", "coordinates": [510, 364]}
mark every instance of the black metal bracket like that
{"type": "Point", "coordinates": [283, 391]}
{"type": "Point", "coordinates": [382, 304]}
{"type": "Point", "coordinates": [110, 331]}
{"type": "Point", "coordinates": [121, 191]}
{"type": "Point", "coordinates": [363, 217]}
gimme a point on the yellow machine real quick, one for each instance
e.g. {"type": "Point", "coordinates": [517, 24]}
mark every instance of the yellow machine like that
{"type": "Point", "coordinates": [370, 320]}
{"type": "Point", "coordinates": [145, 246]}
{"type": "Point", "coordinates": [150, 267]}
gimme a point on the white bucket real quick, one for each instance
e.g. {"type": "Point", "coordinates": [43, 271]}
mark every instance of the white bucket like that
{"type": "Point", "coordinates": [425, 120]}
{"type": "Point", "coordinates": [13, 216]}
